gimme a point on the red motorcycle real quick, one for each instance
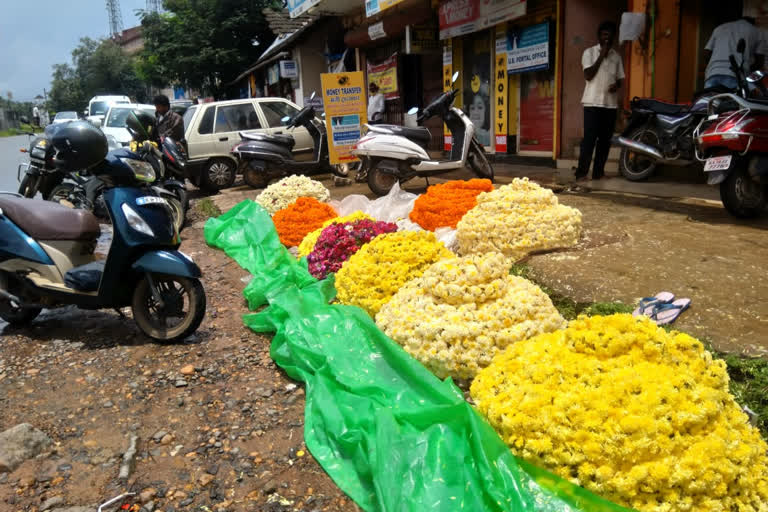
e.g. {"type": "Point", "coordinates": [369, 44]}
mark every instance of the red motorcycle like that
{"type": "Point", "coordinates": [732, 141]}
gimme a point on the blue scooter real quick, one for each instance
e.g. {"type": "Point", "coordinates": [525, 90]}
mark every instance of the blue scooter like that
{"type": "Point", "coordinates": [47, 254]}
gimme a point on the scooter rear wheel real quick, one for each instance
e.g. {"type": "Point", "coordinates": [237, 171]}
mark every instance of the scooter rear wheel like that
{"type": "Point", "coordinates": [379, 181]}
{"type": "Point", "coordinates": [183, 299]}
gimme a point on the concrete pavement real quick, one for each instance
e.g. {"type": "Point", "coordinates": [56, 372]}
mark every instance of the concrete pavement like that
{"type": "Point", "coordinates": [10, 158]}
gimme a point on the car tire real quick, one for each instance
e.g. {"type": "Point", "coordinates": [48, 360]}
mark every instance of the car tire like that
{"type": "Point", "coordinates": [218, 174]}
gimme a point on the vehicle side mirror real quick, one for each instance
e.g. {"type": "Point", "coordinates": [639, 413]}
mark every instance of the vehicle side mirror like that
{"type": "Point", "coordinates": [455, 77]}
{"type": "Point", "coordinates": [85, 112]}
{"type": "Point", "coordinates": [285, 119]}
{"type": "Point", "coordinates": [741, 45]}
{"type": "Point", "coordinates": [96, 122]}
{"type": "Point", "coordinates": [413, 111]}
{"type": "Point", "coordinates": [312, 96]}
{"type": "Point", "coordinates": [755, 76]}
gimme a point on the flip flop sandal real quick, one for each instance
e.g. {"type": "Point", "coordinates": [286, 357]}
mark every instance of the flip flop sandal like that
{"type": "Point", "coordinates": [646, 305]}
{"type": "Point", "coordinates": [665, 314]}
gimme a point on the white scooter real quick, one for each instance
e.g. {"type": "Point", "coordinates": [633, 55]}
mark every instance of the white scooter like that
{"type": "Point", "coordinates": [392, 153]}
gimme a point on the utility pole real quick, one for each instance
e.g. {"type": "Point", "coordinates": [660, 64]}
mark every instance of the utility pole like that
{"type": "Point", "coordinates": [115, 18]}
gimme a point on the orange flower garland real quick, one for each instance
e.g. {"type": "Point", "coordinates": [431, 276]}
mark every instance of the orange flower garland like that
{"type": "Point", "coordinates": [297, 219]}
{"type": "Point", "coordinates": [445, 204]}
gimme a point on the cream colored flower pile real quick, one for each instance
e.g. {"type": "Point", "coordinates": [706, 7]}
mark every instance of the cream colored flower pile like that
{"type": "Point", "coordinates": [286, 191]}
{"type": "Point", "coordinates": [462, 311]}
{"type": "Point", "coordinates": [516, 220]}
{"type": "Point", "coordinates": [641, 416]}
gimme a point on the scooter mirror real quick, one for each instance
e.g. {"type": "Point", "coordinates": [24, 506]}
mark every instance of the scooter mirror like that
{"type": "Point", "coordinates": [312, 96]}
{"type": "Point", "coordinates": [755, 76]}
{"type": "Point", "coordinates": [285, 119]}
{"type": "Point", "coordinates": [455, 77]}
{"type": "Point", "coordinates": [413, 111]}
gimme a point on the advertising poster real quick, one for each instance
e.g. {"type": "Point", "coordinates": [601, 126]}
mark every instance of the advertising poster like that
{"type": "Point", "coordinates": [500, 105]}
{"type": "Point", "coordinates": [528, 49]}
{"type": "Point", "coordinates": [376, 6]}
{"type": "Point", "coordinates": [459, 17]}
{"type": "Point", "coordinates": [537, 106]}
{"type": "Point", "coordinates": [447, 72]}
{"type": "Point", "coordinates": [299, 7]}
{"type": "Point", "coordinates": [385, 76]}
{"type": "Point", "coordinates": [345, 100]}
{"type": "Point", "coordinates": [477, 85]}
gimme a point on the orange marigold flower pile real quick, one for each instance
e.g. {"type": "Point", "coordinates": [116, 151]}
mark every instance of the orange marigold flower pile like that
{"type": "Point", "coordinates": [445, 204]}
{"type": "Point", "coordinates": [303, 216]}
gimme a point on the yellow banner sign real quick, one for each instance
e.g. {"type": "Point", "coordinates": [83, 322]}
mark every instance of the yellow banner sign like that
{"type": "Point", "coordinates": [384, 75]}
{"type": "Point", "coordinates": [447, 72]}
{"type": "Point", "coordinates": [344, 98]}
{"type": "Point", "coordinates": [500, 114]}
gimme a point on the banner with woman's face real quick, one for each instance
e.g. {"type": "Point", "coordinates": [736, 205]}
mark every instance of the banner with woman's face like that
{"type": "Point", "coordinates": [476, 77]}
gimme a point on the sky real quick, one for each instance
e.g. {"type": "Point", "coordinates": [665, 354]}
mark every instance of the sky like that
{"type": "Point", "coordinates": [36, 34]}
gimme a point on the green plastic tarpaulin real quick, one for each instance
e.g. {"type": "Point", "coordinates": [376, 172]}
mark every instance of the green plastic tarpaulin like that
{"type": "Point", "coordinates": [390, 434]}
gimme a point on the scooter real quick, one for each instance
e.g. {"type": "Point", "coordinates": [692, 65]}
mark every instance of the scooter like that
{"type": "Point", "coordinates": [264, 157]}
{"type": "Point", "coordinates": [392, 153]}
{"type": "Point", "coordinates": [47, 256]}
{"type": "Point", "coordinates": [732, 141]}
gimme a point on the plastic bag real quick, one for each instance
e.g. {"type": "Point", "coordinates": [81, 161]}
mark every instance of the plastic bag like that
{"type": "Point", "coordinates": [446, 235]}
{"type": "Point", "coordinates": [389, 433]}
{"type": "Point", "coordinates": [397, 204]}
{"type": "Point", "coordinates": [353, 203]}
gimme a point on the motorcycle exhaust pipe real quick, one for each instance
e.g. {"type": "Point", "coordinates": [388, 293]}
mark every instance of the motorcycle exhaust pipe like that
{"type": "Point", "coordinates": [639, 147]}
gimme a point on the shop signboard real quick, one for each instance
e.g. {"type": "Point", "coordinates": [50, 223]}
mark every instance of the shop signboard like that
{"type": "Point", "coordinates": [289, 69]}
{"type": "Point", "coordinates": [459, 17]}
{"type": "Point", "coordinates": [385, 76]}
{"type": "Point", "coordinates": [501, 83]}
{"type": "Point", "coordinates": [528, 49]}
{"type": "Point", "coordinates": [273, 74]}
{"type": "Point", "coordinates": [447, 87]}
{"type": "Point", "coordinates": [422, 38]}
{"type": "Point", "coordinates": [299, 7]}
{"type": "Point", "coordinates": [376, 6]}
{"type": "Point", "coordinates": [344, 98]}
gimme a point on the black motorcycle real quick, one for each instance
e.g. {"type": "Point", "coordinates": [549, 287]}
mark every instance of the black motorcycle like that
{"type": "Point", "coordinates": [40, 175]}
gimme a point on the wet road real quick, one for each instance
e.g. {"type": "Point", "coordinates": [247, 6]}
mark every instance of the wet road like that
{"type": "Point", "coordinates": [10, 158]}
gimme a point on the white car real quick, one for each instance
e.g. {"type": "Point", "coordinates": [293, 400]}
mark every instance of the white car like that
{"type": "Point", "coordinates": [114, 120]}
{"type": "Point", "coordinates": [212, 129]}
{"type": "Point", "coordinates": [98, 106]}
{"type": "Point", "coordinates": [64, 117]}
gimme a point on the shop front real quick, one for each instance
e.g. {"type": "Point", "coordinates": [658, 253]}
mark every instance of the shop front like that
{"type": "Point", "coordinates": [505, 54]}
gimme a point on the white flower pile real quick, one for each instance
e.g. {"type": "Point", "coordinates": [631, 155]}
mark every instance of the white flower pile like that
{"type": "Point", "coordinates": [284, 192]}
{"type": "Point", "coordinates": [462, 311]}
{"type": "Point", "coordinates": [516, 220]}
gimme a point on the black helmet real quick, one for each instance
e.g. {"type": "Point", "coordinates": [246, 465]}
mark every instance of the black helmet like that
{"type": "Point", "coordinates": [141, 124]}
{"type": "Point", "coordinates": [79, 145]}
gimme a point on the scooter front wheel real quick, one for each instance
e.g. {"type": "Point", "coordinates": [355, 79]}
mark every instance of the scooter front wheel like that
{"type": "Point", "coordinates": [176, 315]}
{"type": "Point", "coordinates": [478, 162]}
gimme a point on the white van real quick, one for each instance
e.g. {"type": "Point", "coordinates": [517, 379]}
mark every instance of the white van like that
{"type": "Point", "coordinates": [98, 106]}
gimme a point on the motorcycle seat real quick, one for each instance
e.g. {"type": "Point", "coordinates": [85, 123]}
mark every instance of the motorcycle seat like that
{"type": "Point", "coordinates": [420, 135]}
{"type": "Point", "coordinates": [45, 220]}
{"type": "Point", "coordinates": [281, 140]}
{"type": "Point", "coordinates": [661, 107]}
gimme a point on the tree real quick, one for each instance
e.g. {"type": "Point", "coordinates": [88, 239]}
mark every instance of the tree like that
{"type": "Point", "coordinates": [203, 44]}
{"type": "Point", "coordinates": [98, 67]}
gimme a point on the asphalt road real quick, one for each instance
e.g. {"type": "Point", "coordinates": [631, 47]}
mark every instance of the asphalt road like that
{"type": "Point", "coordinates": [10, 158]}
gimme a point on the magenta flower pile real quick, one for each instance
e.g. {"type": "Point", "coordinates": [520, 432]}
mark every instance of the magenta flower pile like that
{"type": "Point", "coordinates": [338, 242]}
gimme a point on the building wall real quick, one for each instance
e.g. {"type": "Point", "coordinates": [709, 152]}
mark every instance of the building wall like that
{"type": "Point", "coordinates": [312, 64]}
{"type": "Point", "coordinates": [581, 18]}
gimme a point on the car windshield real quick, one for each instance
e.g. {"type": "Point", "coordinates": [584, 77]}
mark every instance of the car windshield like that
{"type": "Point", "coordinates": [99, 108]}
{"type": "Point", "coordinates": [66, 115]}
{"type": "Point", "coordinates": [117, 116]}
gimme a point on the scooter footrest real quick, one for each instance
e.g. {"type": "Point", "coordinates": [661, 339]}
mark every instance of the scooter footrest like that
{"type": "Point", "coordinates": [85, 278]}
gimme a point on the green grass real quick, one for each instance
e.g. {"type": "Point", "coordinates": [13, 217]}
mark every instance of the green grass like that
{"type": "Point", "coordinates": [11, 132]}
{"type": "Point", "coordinates": [749, 375]}
{"type": "Point", "coordinates": [206, 208]}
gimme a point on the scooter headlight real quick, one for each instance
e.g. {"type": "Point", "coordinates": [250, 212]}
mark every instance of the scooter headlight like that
{"type": "Point", "coordinates": [135, 221]}
{"type": "Point", "coordinates": [142, 170]}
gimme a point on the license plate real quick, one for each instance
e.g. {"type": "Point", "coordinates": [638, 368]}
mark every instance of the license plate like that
{"type": "Point", "coordinates": [141, 201]}
{"type": "Point", "coordinates": [718, 163]}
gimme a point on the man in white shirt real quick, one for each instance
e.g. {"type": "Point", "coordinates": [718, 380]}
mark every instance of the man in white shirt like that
{"type": "Point", "coordinates": [36, 115]}
{"type": "Point", "coordinates": [723, 43]}
{"type": "Point", "coordinates": [376, 105]}
{"type": "Point", "coordinates": [603, 71]}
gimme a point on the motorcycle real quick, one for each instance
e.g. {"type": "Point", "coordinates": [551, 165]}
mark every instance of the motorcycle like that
{"type": "Point", "coordinates": [392, 153]}
{"type": "Point", "coordinates": [47, 255]}
{"type": "Point", "coordinates": [266, 157]}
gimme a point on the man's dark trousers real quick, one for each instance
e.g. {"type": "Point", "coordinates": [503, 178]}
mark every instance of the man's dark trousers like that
{"type": "Point", "coordinates": [599, 123]}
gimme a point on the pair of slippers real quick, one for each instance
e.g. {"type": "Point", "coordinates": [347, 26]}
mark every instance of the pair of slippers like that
{"type": "Point", "coordinates": [662, 308]}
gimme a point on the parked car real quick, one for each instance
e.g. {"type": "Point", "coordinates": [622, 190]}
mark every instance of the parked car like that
{"type": "Point", "coordinates": [98, 106]}
{"type": "Point", "coordinates": [181, 106]}
{"type": "Point", "coordinates": [212, 129]}
{"type": "Point", "coordinates": [114, 121]}
{"type": "Point", "coordinates": [64, 117]}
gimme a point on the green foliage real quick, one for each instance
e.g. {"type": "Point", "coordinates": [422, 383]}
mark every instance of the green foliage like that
{"type": "Point", "coordinates": [207, 208]}
{"type": "Point", "coordinates": [203, 44]}
{"type": "Point", "coordinates": [98, 67]}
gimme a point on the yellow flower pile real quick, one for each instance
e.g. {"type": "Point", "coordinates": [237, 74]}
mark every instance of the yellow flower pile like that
{"type": "Point", "coordinates": [462, 311]}
{"type": "Point", "coordinates": [638, 415]}
{"type": "Point", "coordinates": [306, 245]}
{"type": "Point", "coordinates": [516, 220]}
{"type": "Point", "coordinates": [371, 276]}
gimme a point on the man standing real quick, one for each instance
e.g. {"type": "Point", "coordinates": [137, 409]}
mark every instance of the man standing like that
{"type": "Point", "coordinates": [36, 115]}
{"type": "Point", "coordinates": [603, 72]}
{"type": "Point", "coordinates": [169, 123]}
{"type": "Point", "coordinates": [376, 105]}
{"type": "Point", "coordinates": [723, 43]}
